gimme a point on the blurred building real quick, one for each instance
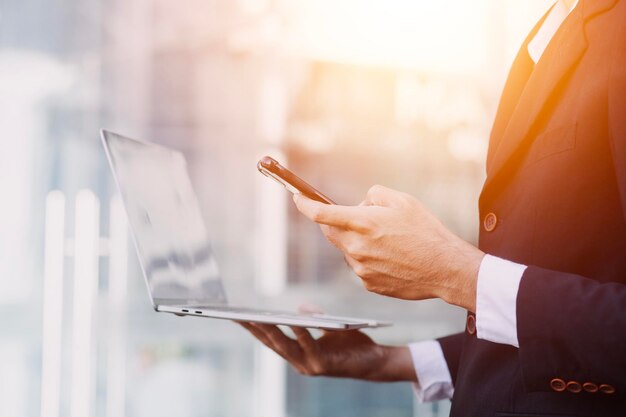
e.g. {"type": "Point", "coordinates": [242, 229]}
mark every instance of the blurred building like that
{"type": "Point", "coordinates": [347, 93]}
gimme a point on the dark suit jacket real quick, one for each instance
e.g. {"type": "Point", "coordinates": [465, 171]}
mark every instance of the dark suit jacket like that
{"type": "Point", "coordinates": [556, 182]}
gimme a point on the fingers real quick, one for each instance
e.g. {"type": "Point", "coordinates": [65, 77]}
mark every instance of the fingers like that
{"type": "Point", "coordinates": [345, 217]}
{"type": "Point", "coordinates": [333, 235]}
{"type": "Point", "coordinates": [273, 338]}
{"type": "Point", "coordinates": [304, 339]}
{"type": "Point", "coordinates": [256, 333]}
{"type": "Point", "coordinates": [278, 339]}
{"type": "Point", "coordinates": [349, 242]}
{"type": "Point", "coordinates": [291, 350]}
{"type": "Point", "coordinates": [355, 265]}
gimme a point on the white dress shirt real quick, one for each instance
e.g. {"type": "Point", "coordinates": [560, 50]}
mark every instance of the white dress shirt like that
{"type": "Point", "coordinates": [498, 279]}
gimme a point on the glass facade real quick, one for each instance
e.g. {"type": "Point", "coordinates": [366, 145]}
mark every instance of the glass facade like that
{"type": "Point", "coordinates": [348, 94]}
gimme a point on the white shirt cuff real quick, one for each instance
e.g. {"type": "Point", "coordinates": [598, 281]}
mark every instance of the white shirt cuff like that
{"type": "Point", "coordinates": [496, 300]}
{"type": "Point", "coordinates": [433, 376]}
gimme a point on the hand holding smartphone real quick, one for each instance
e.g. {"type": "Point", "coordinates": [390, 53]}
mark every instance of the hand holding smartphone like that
{"type": "Point", "coordinates": [270, 167]}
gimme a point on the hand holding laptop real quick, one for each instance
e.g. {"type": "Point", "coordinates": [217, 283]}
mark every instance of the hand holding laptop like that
{"type": "Point", "coordinates": [345, 354]}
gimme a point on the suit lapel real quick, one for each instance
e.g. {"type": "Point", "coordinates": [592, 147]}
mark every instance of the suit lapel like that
{"type": "Point", "coordinates": [521, 69]}
{"type": "Point", "coordinates": [547, 79]}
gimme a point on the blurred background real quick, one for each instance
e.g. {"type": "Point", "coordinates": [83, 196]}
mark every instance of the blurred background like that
{"type": "Point", "coordinates": [347, 93]}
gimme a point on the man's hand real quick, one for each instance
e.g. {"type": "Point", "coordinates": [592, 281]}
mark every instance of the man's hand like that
{"type": "Point", "coordinates": [398, 248]}
{"type": "Point", "coordinates": [347, 354]}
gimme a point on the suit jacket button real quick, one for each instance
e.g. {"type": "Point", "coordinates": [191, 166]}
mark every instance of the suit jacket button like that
{"type": "Point", "coordinates": [573, 386]}
{"type": "Point", "coordinates": [490, 222]}
{"type": "Point", "coordinates": [470, 325]}
{"type": "Point", "coordinates": [558, 385]}
{"type": "Point", "coordinates": [590, 387]}
{"type": "Point", "coordinates": [607, 389]}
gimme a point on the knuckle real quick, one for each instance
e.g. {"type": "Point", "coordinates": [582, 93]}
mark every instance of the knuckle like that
{"type": "Point", "coordinates": [316, 214]}
{"type": "Point", "coordinates": [376, 234]}
{"type": "Point", "coordinates": [360, 270]}
{"type": "Point", "coordinates": [350, 248]}
{"type": "Point", "coordinates": [359, 257]}
{"type": "Point", "coordinates": [317, 369]}
{"type": "Point", "coordinates": [356, 250]}
{"type": "Point", "coordinates": [375, 189]}
{"type": "Point", "coordinates": [330, 233]}
{"type": "Point", "coordinates": [368, 225]}
{"type": "Point", "coordinates": [366, 273]}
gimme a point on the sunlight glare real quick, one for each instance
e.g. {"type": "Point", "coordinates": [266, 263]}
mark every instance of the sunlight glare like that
{"type": "Point", "coordinates": [447, 35]}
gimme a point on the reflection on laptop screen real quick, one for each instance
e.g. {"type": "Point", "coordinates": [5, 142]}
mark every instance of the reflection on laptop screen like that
{"type": "Point", "coordinates": [165, 217]}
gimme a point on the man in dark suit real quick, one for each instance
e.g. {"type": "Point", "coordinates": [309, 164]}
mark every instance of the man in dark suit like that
{"type": "Point", "coordinates": [546, 289]}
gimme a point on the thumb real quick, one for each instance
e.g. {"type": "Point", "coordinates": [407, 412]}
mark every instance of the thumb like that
{"type": "Point", "coordinates": [378, 195]}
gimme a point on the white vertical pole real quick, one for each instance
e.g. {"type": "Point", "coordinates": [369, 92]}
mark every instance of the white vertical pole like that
{"type": "Point", "coordinates": [85, 289]}
{"type": "Point", "coordinates": [118, 273]}
{"type": "Point", "coordinates": [52, 320]}
{"type": "Point", "coordinates": [271, 271]}
{"type": "Point", "coordinates": [269, 383]}
{"type": "Point", "coordinates": [271, 238]}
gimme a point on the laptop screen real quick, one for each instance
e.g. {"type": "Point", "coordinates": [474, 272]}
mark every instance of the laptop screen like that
{"type": "Point", "coordinates": [164, 215]}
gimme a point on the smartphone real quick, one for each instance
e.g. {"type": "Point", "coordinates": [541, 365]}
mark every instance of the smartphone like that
{"type": "Point", "coordinates": [270, 167]}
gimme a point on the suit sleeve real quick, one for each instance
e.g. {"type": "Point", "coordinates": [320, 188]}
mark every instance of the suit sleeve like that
{"type": "Point", "coordinates": [572, 328]}
{"type": "Point", "coordinates": [452, 347]}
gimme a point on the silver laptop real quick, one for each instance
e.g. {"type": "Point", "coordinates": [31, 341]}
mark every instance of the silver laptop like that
{"type": "Point", "coordinates": [171, 240]}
